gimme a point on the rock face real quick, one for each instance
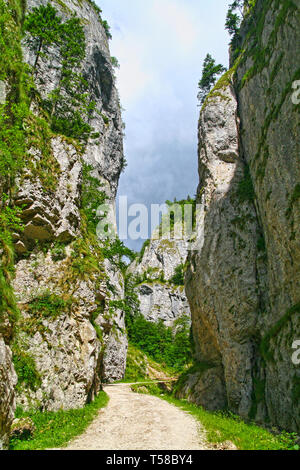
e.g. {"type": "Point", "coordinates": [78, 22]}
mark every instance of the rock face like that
{"type": "Point", "coordinates": [71, 332]}
{"type": "Point", "coordinates": [159, 297]}
{"type": "Point", "coordinates": [243, 277]}
{"type": "Point", "coordinates": [162, 302]}
{"type": "Point", "coordinates": [8, 381]}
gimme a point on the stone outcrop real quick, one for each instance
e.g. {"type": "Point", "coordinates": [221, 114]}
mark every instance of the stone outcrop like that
{"type": "Point", "coordinates": [243, 276]}
{"type": "Point", "coordinates": [71, 331]}
{"type": "Point", "coordinates": [162, 302]}
{"type": "Point", "coordinates": [159, 297]}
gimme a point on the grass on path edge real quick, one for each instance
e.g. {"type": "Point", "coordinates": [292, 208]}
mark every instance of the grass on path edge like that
{"type": "Point", "coordinates": [224, 426]}
{"type": "Point", "coordinates": [57, 429]}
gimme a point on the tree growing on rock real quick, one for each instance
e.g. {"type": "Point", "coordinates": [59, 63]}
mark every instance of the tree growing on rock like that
{"type": "Point", "coordinates": [235, 15]}
{"type": "Point", "coordinates": [43, 26]}
{"type": "Point", "coordinates": [210, 72]}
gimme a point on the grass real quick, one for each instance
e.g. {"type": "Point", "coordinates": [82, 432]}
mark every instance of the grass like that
{"type": "Point", "coordinates": [224, 426]}
{"type": "Point", "coordinates": [137, 367]}
{"type": "Point", "coordinates": [56, 429]}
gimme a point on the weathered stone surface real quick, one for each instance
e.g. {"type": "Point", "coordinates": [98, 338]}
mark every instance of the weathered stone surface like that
{"type": "Point", "coordinates": [113, 325]}
{"type": "Point", "coordinates": [2, 92]}
{"type": "Point", "coordinates": [8, 381]}
{"type": "Point", "coordinates": [243, 278]}
{"type": "Point", "coordinates": [52, 216]}
{"type": "Point", "coordinates": [162, 302]}
{"type": "Point", "coordinates": [86, 343]}
{"type": "Point", "coordinates": [206, 388]}
{"type": "Point", "coordinates": [162, 256]}
{"type": "Point", "coordinates": [159, 297]}
{"type": "Point", "coordinates": [222, 279]}
{"type": "Point", "coordinates": [22, 428]}
{"type": "Point", "coordinates": [106, 156]}
{"type": "Point", "coordinates": [270, 139]}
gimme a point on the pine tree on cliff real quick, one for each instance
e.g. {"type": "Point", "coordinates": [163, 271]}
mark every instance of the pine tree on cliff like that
{"type": "Point", "coordinates": [235, 15]}
{"type": "Point", "coordinates": [210, 72]}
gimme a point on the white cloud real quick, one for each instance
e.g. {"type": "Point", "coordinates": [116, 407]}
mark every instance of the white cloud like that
{"type": "Point", "coordinates": [133, 77]}
{"type": "Point", "coordinates": [176, 20]}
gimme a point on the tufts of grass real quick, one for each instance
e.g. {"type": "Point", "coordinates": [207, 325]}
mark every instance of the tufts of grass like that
{"type": "Point", "coordinates": [224, 426]}
{"type": "Point", "coordinates": [49, 305]}
{"type": "Point", "coordinates": [26, 369]}
{"type": "Point", "coordinates": [136, 365]}
{"type": "Point", "coordinates": [56, 429]}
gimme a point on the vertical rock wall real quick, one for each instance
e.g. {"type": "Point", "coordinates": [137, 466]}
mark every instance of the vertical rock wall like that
{"type": "Point", "coordinates": [70, 336]}
{"type": "Point", "coordinates": [243, 279]}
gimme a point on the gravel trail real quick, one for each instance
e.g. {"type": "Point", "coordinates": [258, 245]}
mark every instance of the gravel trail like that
{"type": "Point", "coordinates": [134, 421]}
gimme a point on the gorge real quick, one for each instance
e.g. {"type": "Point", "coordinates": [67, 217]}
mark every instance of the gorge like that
{"type": "Point", "coordinates": [64, 297]}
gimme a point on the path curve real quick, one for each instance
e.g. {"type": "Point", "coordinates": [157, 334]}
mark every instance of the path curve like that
{"type": "Point", "coordinates": [134, 421]}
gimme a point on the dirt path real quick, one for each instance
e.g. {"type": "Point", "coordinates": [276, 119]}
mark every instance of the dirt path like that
{"type": "Point", "coordinates": [140, 422]}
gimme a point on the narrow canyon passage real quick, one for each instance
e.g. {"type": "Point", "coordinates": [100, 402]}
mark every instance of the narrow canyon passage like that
{"type": "Point", "coordinates": [140, 422]}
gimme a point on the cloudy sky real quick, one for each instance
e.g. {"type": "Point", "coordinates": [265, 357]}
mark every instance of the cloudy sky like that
{"type": "Point", "coordinates": [161, 45]}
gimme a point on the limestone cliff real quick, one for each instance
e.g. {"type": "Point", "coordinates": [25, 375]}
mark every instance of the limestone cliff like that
{"type": "Point", "coordinates": [160, 296]}
{"type": "Point", "coordinates": [70, 332]}
{"type": "Point", "coordinates": [243, 277]}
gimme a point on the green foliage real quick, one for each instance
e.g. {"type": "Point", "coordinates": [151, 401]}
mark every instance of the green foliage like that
{"type": "Point", "coordinates": [115, 62]}
{"type": "Point", "coordinates": [56, 429]}
{"type": "Point", "coordinates": [136, 365]}
{"type": "Point", "coordinates": [225, 426]}
{"type": "Point", "coordinates": [86, 258]}
{"type": "Point", "coordinates": [68, 105]}
{"type": "Point", "coordinates": [236, 13]}
{"type": "Point", "coordinates": [12, 145]}
{"type": "Point", "coordinates": [245, 190]}
{"type": "Point", "coordinates": [43, 26]}
{"type": "Point", "coordinates": [106, 29]}
{"type": "Point", "coordinates": [49, 305]}
{"type": "Point", "coordinates": [58, 251]}
{"type": "Point", "coordinates": [151, 276]}
{"type": "Point", "coordinates": [178, 214]}
{"type": "Point", "coordinates": [233, 22]}
{"type": "Point", "coordinates": [178, 278]}
{"type": "Point", "coordinates": [164, 345]}
{"type": "Point", "coordinates": [25, 368]}
{"type": "Point", "coordinates": [142, 252]}
{"type": "Point", "coordinates": [91, 197]}
{"type": "Point", "coordinates": [210, 72]}
{"type": "Point", "coordinates": [115, 251]}
{"type": "Point", "coordinates": [259, 51]}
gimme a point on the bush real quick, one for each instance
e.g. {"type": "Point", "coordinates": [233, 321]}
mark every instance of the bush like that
{"type": "Point", "coordinates": [166, 346]}
{"type": "Point", "coordinates": [58, 252]}
{"type": "Point", "coordinates": [25, 368]}
{"type": "Point", "coordinates": [49, 305]}
{"type": "Point", "coordinates": [178, 278]}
